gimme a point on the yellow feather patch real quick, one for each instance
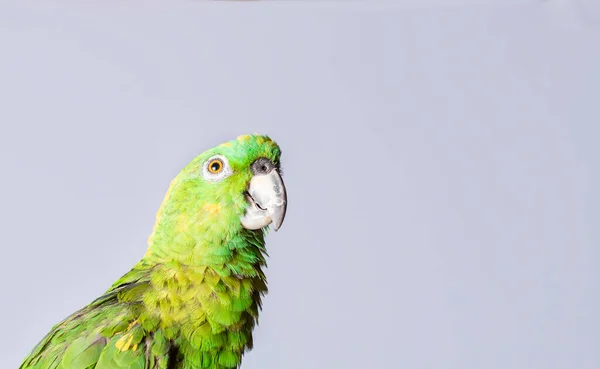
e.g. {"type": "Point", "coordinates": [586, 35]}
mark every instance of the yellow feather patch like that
{"type": "Point", "coordinates": [213, 209]}
{"type": "Point", "coordinates": [182, 224]}
{"type": "Point", "coordinates": [225, 144]}
{"type": "Point", "coordinates": [124, 342]}
{"type": "Point", "coordinates": [243, 138]}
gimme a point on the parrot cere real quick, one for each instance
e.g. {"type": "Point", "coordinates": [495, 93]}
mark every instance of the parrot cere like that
{"type": "Point", "coordinates": [193, 299]}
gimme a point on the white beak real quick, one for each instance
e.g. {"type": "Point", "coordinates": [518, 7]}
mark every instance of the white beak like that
{"type": "Point", "coordinates": [268, 201]}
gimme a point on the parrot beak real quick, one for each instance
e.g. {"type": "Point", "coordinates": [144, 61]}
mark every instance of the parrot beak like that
{"type": "Point", "coordinates": [268, 201]}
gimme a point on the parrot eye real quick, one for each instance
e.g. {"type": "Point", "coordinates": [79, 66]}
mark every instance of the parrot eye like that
{"type": "Point", "coordinates": [216, 168]}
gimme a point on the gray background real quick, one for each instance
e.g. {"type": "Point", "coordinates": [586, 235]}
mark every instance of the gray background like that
{"type": "Point", "coordinates": [441, 163]}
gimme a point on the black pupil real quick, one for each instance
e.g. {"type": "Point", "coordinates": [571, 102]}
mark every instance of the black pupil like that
{"type": "Point", "coordinates": [215, 166]}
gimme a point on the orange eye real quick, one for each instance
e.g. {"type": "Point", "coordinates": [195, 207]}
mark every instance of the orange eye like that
{"type": "Point", "coordinates": [215, 166]}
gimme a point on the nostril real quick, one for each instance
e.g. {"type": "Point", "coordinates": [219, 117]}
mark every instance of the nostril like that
{"type": "Point", "coordinates": [262, 166]}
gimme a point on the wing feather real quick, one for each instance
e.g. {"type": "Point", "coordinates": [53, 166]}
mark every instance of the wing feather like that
{"type": "Point", "coordinates": [103, 335]}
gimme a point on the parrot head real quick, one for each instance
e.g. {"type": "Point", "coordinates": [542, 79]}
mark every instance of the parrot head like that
{"type": "Point", "coordinates": [232, 187]}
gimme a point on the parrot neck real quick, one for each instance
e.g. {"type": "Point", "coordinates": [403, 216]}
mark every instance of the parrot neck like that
{"type": "Point", "coordinates": [202, 234]}
{"type": "Point", "coordinates": [202, 243]}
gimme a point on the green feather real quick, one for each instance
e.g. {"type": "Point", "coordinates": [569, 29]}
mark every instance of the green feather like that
{"type": "Point", "coordinates": [83, 352]}
{"type": "Point", "coordinates": [106, 359]}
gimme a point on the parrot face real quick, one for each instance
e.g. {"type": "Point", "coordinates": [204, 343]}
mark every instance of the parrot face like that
{"type": "Point", "coordinates": [235, 185]}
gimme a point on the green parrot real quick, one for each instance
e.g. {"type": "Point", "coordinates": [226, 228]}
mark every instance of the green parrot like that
{"type": "Point", "coordinates": [192, 301]}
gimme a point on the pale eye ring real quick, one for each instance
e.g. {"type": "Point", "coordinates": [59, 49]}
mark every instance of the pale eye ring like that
{"type": "Point", "coordinates": [216, 168]}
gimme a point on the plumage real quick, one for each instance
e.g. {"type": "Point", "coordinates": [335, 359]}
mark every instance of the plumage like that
{"type": "Point", "coordinates": [192, 301]}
